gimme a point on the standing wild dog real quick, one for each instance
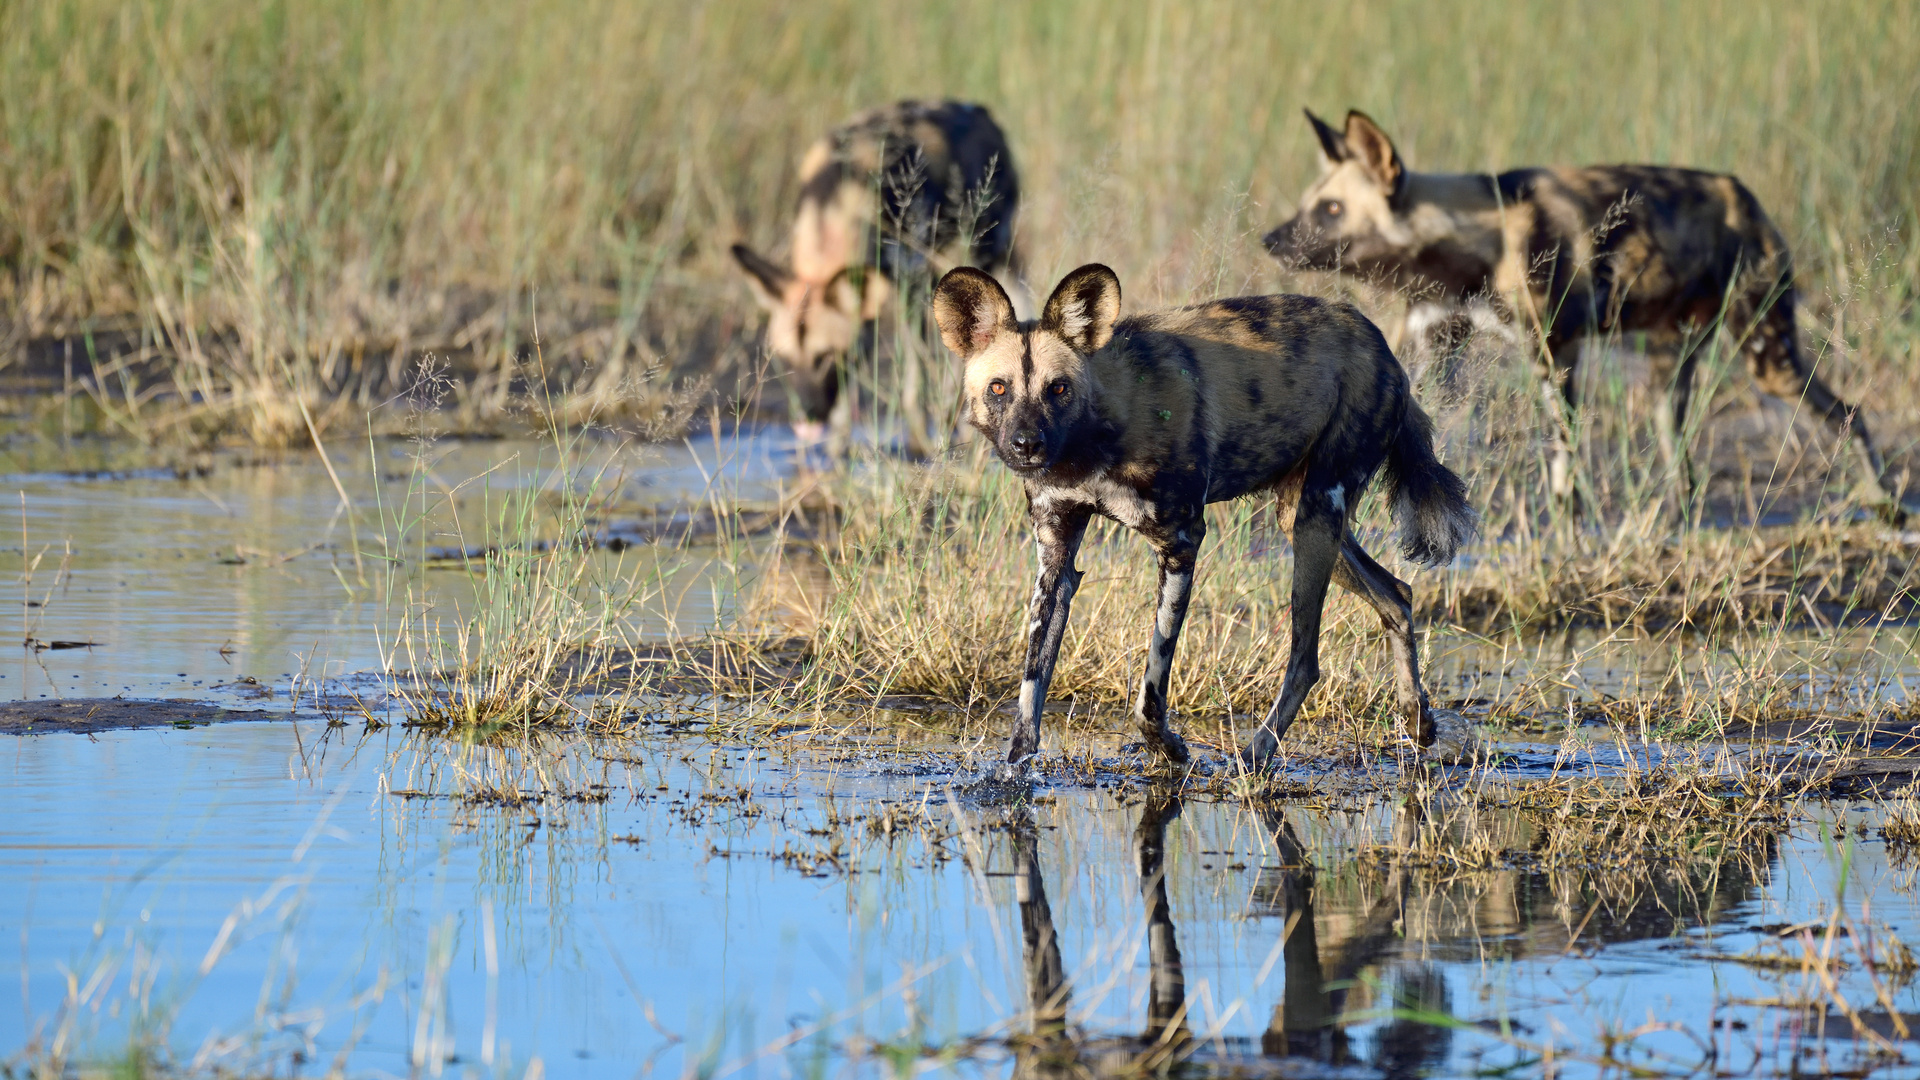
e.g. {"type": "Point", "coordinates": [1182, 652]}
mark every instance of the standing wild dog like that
{"type": "Point", "coordinates": [886, 195]}
{"type": "Point", "coordinates": [1670, 254]}
{"type": "Point", "coordinates": [1146, 420]}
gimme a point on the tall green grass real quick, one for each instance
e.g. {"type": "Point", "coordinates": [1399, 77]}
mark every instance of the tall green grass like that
{"type": "Point", "coordinates": [256, 219]}
{"type": "Point", "coordinates": [286, 203]}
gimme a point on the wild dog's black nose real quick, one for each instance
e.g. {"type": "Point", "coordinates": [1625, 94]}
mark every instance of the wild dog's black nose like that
{"type": "Point", "coordinates": [1025, 444]}
{"type": "Point", "coordinates": [1277, 240]}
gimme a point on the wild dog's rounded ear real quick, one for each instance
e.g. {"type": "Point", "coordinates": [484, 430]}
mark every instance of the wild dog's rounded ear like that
{"type": "Point", "coordinates": [768, 280]}
{"type": "Point", "coordinates": [1333, 146]}
{"type": "Point", "coordinates": [1084, 307]}
{"type": "Point", "coordinates": [1371, 145]}
{"type": "Point", "coordinates": [859, 292]}
{"type": "Point", "coordinates": [971, 309]}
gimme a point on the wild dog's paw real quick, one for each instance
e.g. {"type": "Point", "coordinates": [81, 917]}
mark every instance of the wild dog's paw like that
{"type": "Point", "coordinates": [1454, 741]}
{"type": "Point", "coordinates": [1013, 772]}
{"type": "Point", "coordinates": [1260, 753]}
{"type": "Point", "coordinates": [1171, 747]}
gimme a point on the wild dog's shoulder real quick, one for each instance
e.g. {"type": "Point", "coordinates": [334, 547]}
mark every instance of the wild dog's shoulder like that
{"type": "Point", "coordinates": [860, 148]}
{"type": "Point", "coordinates": [873, 140]}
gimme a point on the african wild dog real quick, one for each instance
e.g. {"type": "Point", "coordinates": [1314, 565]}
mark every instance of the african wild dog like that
{"type": "Point", "coordinates": [887, 195]}
{"type": "Point", "coordinates": [1670, 254]}
{"type": "Point", "coordinates": [1146, 420]}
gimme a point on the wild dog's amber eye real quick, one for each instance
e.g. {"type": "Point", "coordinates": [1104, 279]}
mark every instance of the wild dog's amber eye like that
{"type": "Point", "coordinates": [997, 388]}
{"type": "Point", "coordinates": [1332, 207]}
{"type": "Point", "coordinates": [1058, 389]}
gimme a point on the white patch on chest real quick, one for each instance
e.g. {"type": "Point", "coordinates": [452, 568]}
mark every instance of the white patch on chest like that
{"type": "Point", "coordinates": [1337, 495]}
{"type": "Point", "coordinates": [1118, 501]}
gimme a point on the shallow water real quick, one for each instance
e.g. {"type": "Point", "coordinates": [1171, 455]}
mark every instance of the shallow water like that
{"type": "Point", "coordinates": [268, 893]}
{"type": "Point", "coordinates": [844, 912]}
{"type": "Point", "coordinates": [190, 585]}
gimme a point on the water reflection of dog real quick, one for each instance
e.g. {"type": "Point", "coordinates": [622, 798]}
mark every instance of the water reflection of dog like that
{"type": "Point", "coordinates": [1306, 1021]}
{"type": "Point", "coordinates": [1344, 946]}
{"type": "Point", "coordinates": [1382, 916]}
{"type": "Point", "coordinates": [1051, 1049]}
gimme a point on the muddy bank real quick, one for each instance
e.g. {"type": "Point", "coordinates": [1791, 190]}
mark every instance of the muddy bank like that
{"type": "Point", "coordinates": [85, 716]}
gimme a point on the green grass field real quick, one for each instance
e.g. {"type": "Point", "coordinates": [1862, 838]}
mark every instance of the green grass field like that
{"type": "Point", "coordinates": [304, 197]}
{"type": "Point", "coordinates": [256, 219]}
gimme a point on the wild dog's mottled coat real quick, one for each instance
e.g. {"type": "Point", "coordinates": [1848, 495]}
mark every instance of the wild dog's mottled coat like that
{"type": "Point", "coordinates": [1668, 253]}
{"type": "Point", "coordinates": [1146, 420]}
{"type": "Point", "coordinates": [882, 198]}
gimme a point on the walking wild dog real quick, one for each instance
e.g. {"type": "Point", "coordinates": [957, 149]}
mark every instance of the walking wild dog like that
{"type": "Point", "coordinates": [882, 197]}
{"type": "Point", "coordinates": [1146, 420]}
{"type": "Point", "coordinates": [1670, 254]}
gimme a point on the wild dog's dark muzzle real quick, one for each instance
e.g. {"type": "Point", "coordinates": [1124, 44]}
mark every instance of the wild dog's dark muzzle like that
{"type": "Point", "coordinates": [815, 391]}
{"type": "Point", "coordinates": [1300, 244]}
{"type": "Point", "coordinates": [1283, 240]}
{"type": "Point", "coordinates": [1024, 448]}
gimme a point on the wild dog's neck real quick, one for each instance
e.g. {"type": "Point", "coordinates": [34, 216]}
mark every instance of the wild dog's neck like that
{"type": "Point", "coordinates": [1452, 221]}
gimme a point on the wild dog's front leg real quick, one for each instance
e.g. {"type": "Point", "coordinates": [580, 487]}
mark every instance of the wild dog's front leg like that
{"type": "Point", "coordinates": [1057, 532]}
{"type": "Point", "coordinates": [1672, 362]}
{"type": "Point", "coordinates": [1178, 554]}
{"type": "Point", "coordinates": [1559, 392]}
{"type": "Point", "coordinates": [1317, 529]}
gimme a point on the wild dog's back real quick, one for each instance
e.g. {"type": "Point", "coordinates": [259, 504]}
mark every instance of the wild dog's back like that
{"type": "Point", "coordinates": [932, 174]}
{"type": "Point", "coordinates": [1236, 391]}
{"type": "Point", "coordinates": [1637, 246]}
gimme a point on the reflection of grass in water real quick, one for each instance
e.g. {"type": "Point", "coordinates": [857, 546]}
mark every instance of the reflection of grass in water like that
{"type": "Point", "coordinates": [1369, 918]}
{"type": "Point", "coordinates": [1577, 865]}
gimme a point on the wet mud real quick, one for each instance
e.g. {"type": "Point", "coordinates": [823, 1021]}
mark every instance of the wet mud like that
{"type": "Point", "coordinates": [90, 716]}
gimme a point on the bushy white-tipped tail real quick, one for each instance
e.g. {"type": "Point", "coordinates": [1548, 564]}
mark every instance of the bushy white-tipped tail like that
{"type": "Point", "coordinates": [1429, 500]}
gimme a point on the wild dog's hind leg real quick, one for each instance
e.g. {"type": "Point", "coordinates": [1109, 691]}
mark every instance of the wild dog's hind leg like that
{"type": "Point", "coordinates": [1178, 553]}
{"type": "Point", "coordinates": [1317, 527]}
{"type": "Point", "coordinates": [1779, 367]}
{"type": "Point", "coordinates": [1057, 531]}
{"type": "Point", "coordinates": [1359, 574]}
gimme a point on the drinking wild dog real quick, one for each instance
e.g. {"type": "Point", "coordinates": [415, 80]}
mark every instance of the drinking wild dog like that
{"type": "Point", "coordinates": [1669, 254]}
{"type": "Point", "coordinates": [890, 194]}
{"type": "Point", "coordinates": [1145, 420]}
